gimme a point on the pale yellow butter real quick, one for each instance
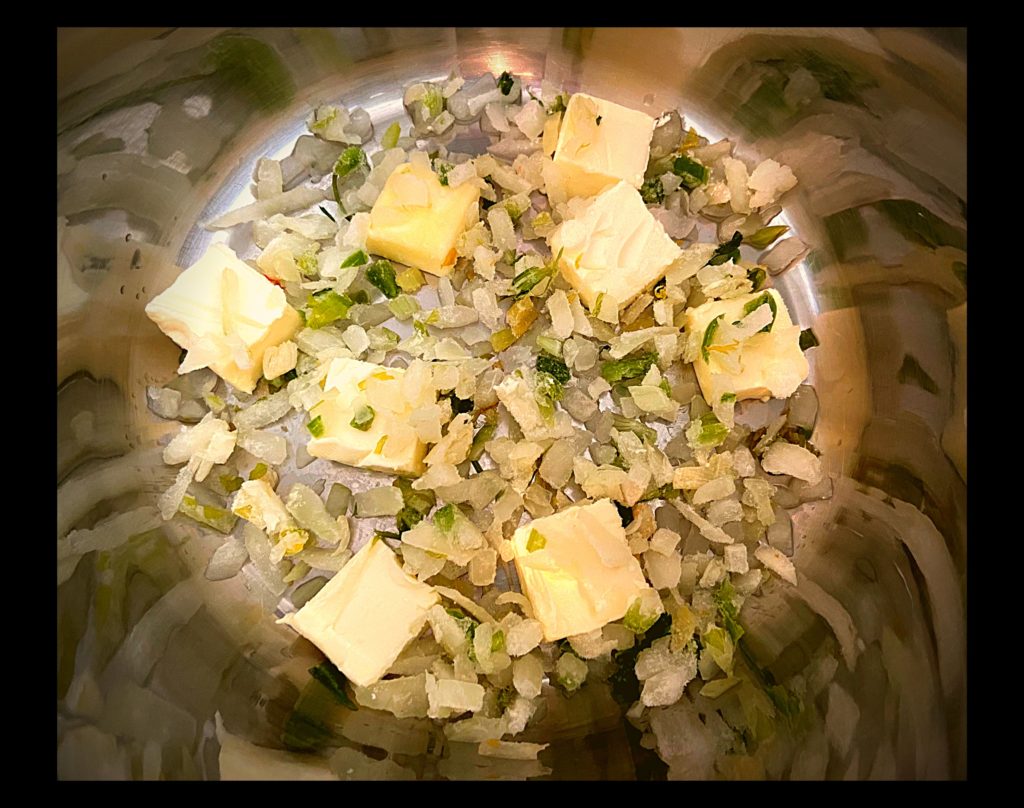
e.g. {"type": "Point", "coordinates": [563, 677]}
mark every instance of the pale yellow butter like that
{"type": "Point", "coordinates": [614, 249]}
{"type": "Point", "coordinates": [771, 363]}
{"type": "Point", "coordinates": [366, 614]}
{"type": "Point", "coordinates": [584, 575]}
{"type": "Point", "coordinates": [417, 221]}
{"type": "Point", "coordinates": [599, 144]}
{"type": "Point", "coordinates": [390, 444]}
{"type": "Point", "coordinates": [193, 312]}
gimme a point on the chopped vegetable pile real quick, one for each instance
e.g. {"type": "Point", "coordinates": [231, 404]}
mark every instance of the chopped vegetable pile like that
{"type": "Point", "coordinates": [553, 361]}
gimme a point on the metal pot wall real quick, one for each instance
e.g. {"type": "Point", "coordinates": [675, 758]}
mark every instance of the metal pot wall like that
{"type": "Point", "coordinates": [158, 130]}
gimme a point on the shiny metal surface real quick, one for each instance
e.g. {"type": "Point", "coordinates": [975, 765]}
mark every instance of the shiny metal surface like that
{"type": "Point", "coordinates": [162, 132]}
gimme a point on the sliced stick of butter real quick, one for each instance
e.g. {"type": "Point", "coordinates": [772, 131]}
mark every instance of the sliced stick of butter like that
{"type": "Point", "coordinates": [417, 221]}
{"type": "Point", "coordinates": [614, 250]}
{"type": "Point", "coordinates": [225, 311]}
{"type": "Point", "coordinates": [390, 444]}
{"type": "Point", "coordinates": [599, 144]}
{"type": "Point", "coordinates": [765, 365]}
{"type": "Point", "coordinates": [366, 614]}
{"type": "Point", "coordinates": [576, 569]}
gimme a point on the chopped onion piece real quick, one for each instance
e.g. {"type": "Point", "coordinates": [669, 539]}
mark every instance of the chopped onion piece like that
{"type": "Point", "coordinates": [310, 513]}
{"type": "Point", "coordinates": [170, 500]}
{"type": "Point", "coordinates": [263, 412]}
{"type": "Point", "coordinates": [385, 500]}
{"type": "Point", "coordinates": [775, 561]}
{"type": "Point", "coordinates": [265, 445]}
{"type": "Point", "coordinates": [479, 612]}
{"type": "Point", "coordinates": [208, 443]}
{"type": "Point", "coordinates": [783, 255]}
{"type": "Point", "coordinates": [502, 229]}
{"type": "Point", "coordinates": [227, 560]}
{"type": "Point", "coordinates": [295, 199]}
{"type": "Point", "coordinates": [796, 461]}
{"type": "Point", "coordinates": [519, 600]}
{"type": "Point", "coordinates": [715, 489]}
{"type": "Point", "coordinates": [164, 401]}
{"type": "Point", "coordinates": [769, 181]}
{"type": "Point", "coordinates": [707, 530]}
{"type": "Point", "coordinates": [511, 750]}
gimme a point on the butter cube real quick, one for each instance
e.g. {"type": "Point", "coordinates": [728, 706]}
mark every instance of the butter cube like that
{"type": "Point", "coordinates": [576, 569]}
{"type": "Point", "coordinates": [226, 315]}
{"type": "Point", "coordinates": [366, 614]}
{"type": "Point", "coordinates": [764, 365]}
{"type": "Point", "coordinates": [417, 221]}
{"type": "Point", "coordinates": [390, 444]}
{"type": "Point", "coordinates": [599, 144]}
{"type": "Point", "coordinates": [614, 249]}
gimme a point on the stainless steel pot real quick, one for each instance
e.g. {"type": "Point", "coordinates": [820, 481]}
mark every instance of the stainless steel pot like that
{"type": "Point", "coordinates": [159, 128]}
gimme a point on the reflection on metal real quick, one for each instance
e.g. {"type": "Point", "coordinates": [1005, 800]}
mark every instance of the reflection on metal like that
{"type": "Point", "coordinates": [161, 135]}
